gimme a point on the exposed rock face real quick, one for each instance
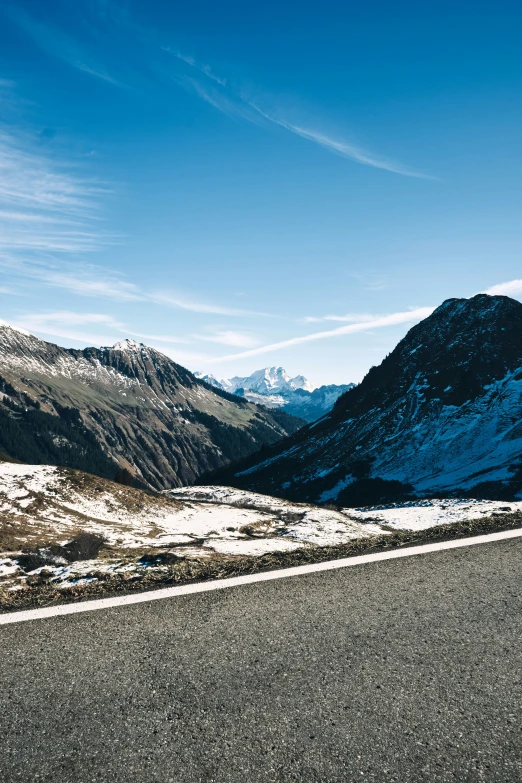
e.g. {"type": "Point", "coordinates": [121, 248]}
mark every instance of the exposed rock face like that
{"type": "Point", "coordinates": [441, 414]}
{"type": "Point", "coordinates": [127, 408]}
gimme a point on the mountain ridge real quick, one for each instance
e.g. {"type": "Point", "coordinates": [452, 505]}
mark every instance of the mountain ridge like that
{"type": "Point", "coordinates": [441, 413]}
{"type": "Point", "coordinates": [124, 408]}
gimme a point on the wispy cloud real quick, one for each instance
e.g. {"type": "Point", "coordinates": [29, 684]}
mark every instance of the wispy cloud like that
{"type": "Point", "coordinates": [341, 147]}
{"type": "Point", "coordinates": [408, 316]}
{"type": "Point", "coordinates": [233, 101]}
{"type": "Point", "coordinates": [57, 43]}
{"type": "Point", "coordinates": [93, 281]}
{"type": "Point", "coordinates": [237, 339]}
{"type": "Point", "coordinates": [205, 69]}
{"type": "Point", "coordinates": [63, 323]}
{"type": "Point", "coordinates": [96, 72]}
{"type": "Point", "coordinates": [45, 212]}
{"type": "Point", "coordinates": [370, 281]}
{"type": "Point", "coordinates": [69, 318]}
{"type": "Point", "coordinates": [510, 288]}
{"type": "Point", "coordinates": [197, 307]}
{"type": "Point", "coordinates": [80, 279]}
{"type": "Point", "coordinates": [356, 318]}
{"type": "Point", "coordinates": [219, 100]}
{"type": "Point", "coordinates": [47, 205]}
{"type": "Point", "coordinates": [37, 181]}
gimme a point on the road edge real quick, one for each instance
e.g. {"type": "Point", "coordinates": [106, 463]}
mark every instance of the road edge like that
{"type": "Point", "coordinates": [246, 579]}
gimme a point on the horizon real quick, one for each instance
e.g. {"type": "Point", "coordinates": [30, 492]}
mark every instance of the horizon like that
{"type": "Point", "coordinates": [164, 180]}
{"type": "Point", "coordinates": [201, 374]}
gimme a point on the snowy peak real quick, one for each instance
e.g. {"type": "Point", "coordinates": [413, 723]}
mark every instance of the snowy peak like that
{"type": "Point", "coordinates": [5, 325]}
{"type": "Point", "coordinates": [273, 387]}
{"type": "Point", "coordinates": [211, 379]}
{"type": "Point", "coordinates": [128, 345]}
{"type": "Point", "coordinates": [300, 382]}
{"type": "Point", "coordinates": [269, 380]}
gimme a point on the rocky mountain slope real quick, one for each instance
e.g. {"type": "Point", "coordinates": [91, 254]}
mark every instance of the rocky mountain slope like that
{"type": "Point", "coordinates": [127, 411]}
{"type": "Point", "coordinates": [274, 388]}
{"type": "Point", "coordinates": [441, 415]}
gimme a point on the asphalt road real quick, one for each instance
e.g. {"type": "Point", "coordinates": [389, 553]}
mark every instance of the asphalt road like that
{"type": "Point", "coordinates": [407, 670]}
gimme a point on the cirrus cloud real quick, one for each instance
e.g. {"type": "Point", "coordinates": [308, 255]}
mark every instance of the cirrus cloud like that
{"type": "Point", "coordinates": [408, 316]}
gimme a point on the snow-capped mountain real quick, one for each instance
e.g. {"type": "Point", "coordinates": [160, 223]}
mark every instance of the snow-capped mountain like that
{"type": "Point", "coordinates": [274, 388]}
{"type": "Point", "coordinates": [269, 380]}
{"type": "Point", "coordinates": [127, 408]}
{"type": "Point", "coordinates": [441, 414]}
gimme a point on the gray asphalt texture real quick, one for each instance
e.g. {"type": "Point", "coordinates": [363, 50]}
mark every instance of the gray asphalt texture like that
{"type": "Point", "coordinates": [407, 670]}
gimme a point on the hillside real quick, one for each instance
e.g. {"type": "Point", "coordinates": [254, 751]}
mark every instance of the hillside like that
{"type": "Point", "coordinates": [127, 411]}
{"type": "Point", "coordinates": [442, 414]}
{"type": "Point", "coordinates": [63, 530]}
{"type": "Point", "coordinates": [274, 388]}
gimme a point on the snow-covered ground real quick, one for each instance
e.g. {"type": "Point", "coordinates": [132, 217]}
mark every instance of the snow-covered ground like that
{"type": "Point", "coordinates": [50, 500]}
{"type": "Point", "coordinates": [423, 514]}
{"type": "Point", "coordinates": [43, 505]}
{"type": "Point", "coordinates": [297, 521]}
{"type": "Point", "coordinates": [411, 515]}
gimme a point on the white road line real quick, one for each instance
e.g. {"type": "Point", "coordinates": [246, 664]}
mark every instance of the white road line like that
{"type": "Point", "coordinates": [237, 581]}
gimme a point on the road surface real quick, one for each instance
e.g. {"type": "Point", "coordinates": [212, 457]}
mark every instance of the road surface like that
{"type": "Point", "coordinates": [406, 670]}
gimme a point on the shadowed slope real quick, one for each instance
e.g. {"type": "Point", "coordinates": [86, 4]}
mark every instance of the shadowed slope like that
{"type": "Point", "coordinates": [125, 408]}
{"type": "Point", "coordinates": [440, 414]}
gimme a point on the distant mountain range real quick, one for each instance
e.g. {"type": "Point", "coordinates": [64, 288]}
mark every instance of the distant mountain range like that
{"type": "Point", "coordinates": [441, 415]}
{"type": "Point", "coordinates": [125, 412]}
{"type": "Point", "coordinates": [274, 388]}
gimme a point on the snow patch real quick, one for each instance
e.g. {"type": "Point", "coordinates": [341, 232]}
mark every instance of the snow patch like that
{"type": "Point", "coordinates": [421, 515]}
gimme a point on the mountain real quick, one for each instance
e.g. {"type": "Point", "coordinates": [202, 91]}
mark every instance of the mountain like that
{"type": "Point", "coordinates": [210, 379]}
{"type": "Point", "coordinates": [127, 411]}
{"type": "Point", "coordinates": [442, 414]}
{"type": "Point", "coordinates": [274, 388]}
{"type": "Point", "coordinates": [270, 380]}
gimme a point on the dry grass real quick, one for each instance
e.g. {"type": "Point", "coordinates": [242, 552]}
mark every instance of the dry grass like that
{"type": "Point", "coordinates": [40, 593]}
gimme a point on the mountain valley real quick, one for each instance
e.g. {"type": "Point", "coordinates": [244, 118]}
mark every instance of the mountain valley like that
{"type": "Point", "coordinates": [429, 440]}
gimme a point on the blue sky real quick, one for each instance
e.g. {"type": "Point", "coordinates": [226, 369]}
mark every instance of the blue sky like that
{"type": "Point", "coordinates": [244, 184]}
